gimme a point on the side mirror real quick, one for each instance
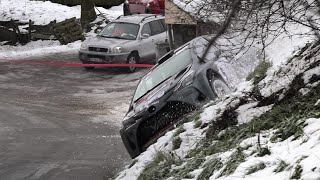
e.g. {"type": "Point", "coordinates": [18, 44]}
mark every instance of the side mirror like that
{"type": "Point", "coordinates": [98, 30]}
{"type": "Point", "coordinates": [145, 36]}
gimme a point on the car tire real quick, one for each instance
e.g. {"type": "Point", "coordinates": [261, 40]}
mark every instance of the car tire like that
{"type": "Point", "coordinates": [133, 58]}
{"type": "Point", "coordinates": [218, 85]}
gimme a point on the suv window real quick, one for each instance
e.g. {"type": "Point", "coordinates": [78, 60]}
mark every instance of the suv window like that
{"type": "Point", "coordinates": [163, 24]}
{"type": "Point", "coordinates": [146, 29]}
{"type": "Point", "coordinates": [120, 30]}
{"type": "Point", "coordinates": [156, 27]}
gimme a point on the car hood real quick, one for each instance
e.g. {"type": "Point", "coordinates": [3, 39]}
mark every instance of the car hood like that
{"type": "Point", "coordinates": [155, 96]}
{"type": "Point", "coordinates": [152, 97]}
{"type": "Point", "coordinates": [99, 41]}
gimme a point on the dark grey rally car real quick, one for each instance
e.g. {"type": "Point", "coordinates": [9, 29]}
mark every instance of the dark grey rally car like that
{"type": "Point", "coordinates": [178, 84]}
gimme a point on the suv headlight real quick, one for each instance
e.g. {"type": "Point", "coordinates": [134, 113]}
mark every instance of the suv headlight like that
{"type": "Point", "coordinates": [185, 81]}
{"type": "Point", "coordinates": [117, 49]}
{"type": "Point", "coordinates": [84, 46]}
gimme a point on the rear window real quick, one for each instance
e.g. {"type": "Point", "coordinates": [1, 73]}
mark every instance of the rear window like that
{"type": "Point", "coordinates": [163, 24]}
{"type": "Point", "coordinates": [146, 29]}
{"type": "Point", "coordinates": [156, 27]}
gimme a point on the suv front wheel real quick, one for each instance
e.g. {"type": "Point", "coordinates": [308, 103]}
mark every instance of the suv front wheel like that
{"type": "Point", "coordinates": [133, 58]}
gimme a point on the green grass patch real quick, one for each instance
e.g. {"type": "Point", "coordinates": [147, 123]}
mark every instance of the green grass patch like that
{"type": "Point", "coordinates": [197, 124]}
{"type": "Point", "coordinates": [287, 117]}
{"type": "Point", "coordinates": [191, 165]}
{"type": "Point", "coordinates": [259, 72]}
{"type": "Point", "coordinates": [179, 131]}
{"type": "Point", "coordinates": [256, 168]}
{"type": "Point", "coordinates": [210, 168]}
{"type": "Point", "coordinates": [160, 167]}
{"type": "Point", "coordinates": [297, 172]}
{"type": "Point", "coordinates": [263, 151]}
{"type": "Point", "coordinates": [235, 160]}
{"type": "Point", "coordinates": [295, 108]}
{"type": "Point", "coordinates": [289, 128]}
{"type": "Point", "coordinates": [281, 166]}
{"type": "Point", "coordinates": [302, 158]}
{"type": "Point", "coordinates": [176, 143]}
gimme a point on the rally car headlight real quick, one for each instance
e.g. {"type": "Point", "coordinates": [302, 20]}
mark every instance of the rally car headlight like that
{"type": "Point", "coordinates": [84, 46]}
{"type": "Point", "coordinates": [128, 121]}
{"type": "Point", "coordinates": [117, 49]}
{"type": "Point", "coordinates": [185, 81]}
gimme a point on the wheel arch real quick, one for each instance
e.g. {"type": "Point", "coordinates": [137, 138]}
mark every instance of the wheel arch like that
{"type": "Point", "coordinates": [135, 52]}
{"type": "Point", "coordinates": [214, 71]}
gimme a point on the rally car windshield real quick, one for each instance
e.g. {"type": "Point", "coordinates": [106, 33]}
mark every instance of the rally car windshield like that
{"type": "Point", "coordinates": [164, 71]}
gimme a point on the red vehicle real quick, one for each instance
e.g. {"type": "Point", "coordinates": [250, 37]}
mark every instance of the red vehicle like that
{"type": "Point", "coordinates": [143, 6]}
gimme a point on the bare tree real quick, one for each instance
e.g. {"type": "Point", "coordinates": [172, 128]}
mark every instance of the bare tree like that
{"type": "Point", "coordinates": [88, 13]}
{"type": "Point", "coordinates": [246, 22]}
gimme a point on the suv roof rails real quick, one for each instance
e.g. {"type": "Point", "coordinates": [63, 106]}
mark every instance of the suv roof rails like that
{"type": "Point", "coordinates": [127, 15]}
{"type": "Point", "coordinates": [153, 15]}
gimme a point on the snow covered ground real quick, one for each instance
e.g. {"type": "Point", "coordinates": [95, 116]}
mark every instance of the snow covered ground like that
{"type": "Point", "coordinates": [295, 157]}
{"type": "Point", "coordinates": [289, 151]}
{"type": "Point", "coordinates": [43, 13]}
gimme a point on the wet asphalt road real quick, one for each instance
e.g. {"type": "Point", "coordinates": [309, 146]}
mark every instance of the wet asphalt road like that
{"type": "Point", "coordinates": [60, 123]}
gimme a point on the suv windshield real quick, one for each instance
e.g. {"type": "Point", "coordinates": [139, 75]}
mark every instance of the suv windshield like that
{"type": "Point", "coordinates": [164, 71]}
{"type": "Point", "coordinates": [120, 30]}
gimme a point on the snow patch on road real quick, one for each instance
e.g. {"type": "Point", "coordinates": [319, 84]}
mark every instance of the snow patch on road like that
{"type": "Point", "coordinates": [37, 48]}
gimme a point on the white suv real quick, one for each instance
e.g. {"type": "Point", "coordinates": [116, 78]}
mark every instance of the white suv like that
{"type": "Point", "coordinates": [128, 39]}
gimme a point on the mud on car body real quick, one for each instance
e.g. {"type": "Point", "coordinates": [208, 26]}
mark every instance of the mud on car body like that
{"type": "Point", "coordinates": [178, 84]}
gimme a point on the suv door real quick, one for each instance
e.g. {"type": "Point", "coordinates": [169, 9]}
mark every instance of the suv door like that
{"type": "Point", "coordinates": [146, 45]}
{"type": "Point", "coordinates": [158, 33]}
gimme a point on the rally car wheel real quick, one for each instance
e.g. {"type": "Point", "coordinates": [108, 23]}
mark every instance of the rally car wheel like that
{"type": "Point", "coordinates": [218, 85]}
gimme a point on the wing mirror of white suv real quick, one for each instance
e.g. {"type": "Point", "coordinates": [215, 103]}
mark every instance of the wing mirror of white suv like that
{"type": "Point", "coordinates": [145, 36]}
{"type": "Point", "coordinates": [98, 30]}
